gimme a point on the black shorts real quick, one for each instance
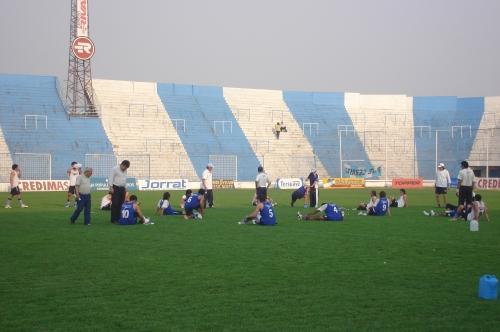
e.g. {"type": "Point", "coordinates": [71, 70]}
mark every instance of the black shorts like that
{"type": "Point", "coordinates": [441, 190]}
{"type": "Point", "coordinates": [72, 190]}
{"type": "Point", "coordinates": [15, 191]}
{"type": "Point", "coordinates": [261, 192]}
{"type": "Point", "coordinates": [465, 196]}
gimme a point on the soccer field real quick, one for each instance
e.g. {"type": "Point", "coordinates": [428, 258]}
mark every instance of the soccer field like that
{"type": "Point", "coordinates": [405, 272]}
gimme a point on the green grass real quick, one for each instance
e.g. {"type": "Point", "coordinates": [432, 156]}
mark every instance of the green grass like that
{"type": "Point", "coordinates": [405, 272]}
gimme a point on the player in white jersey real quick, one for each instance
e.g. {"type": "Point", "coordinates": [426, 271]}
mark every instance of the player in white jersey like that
{"type": "Point", "coordinates": [73, 173]}
{"type": "Point", "coordinates": [15, 174]}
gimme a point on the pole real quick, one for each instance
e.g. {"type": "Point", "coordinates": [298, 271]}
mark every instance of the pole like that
{"type": "Point", "coordinates": [436, 150]}
{"type": "Point", "coordinates": [488, 155]}
{"type": "Point", "coordinates": [340, 155]}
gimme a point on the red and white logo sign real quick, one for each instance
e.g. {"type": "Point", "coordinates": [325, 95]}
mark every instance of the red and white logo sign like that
{"type": "Point", "coordinates": [83, 48]}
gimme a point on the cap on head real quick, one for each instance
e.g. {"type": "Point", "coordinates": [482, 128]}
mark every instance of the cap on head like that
{"type": "Point", "coordinates": [313, 170]}
{"type": "Point", "coordinates": [441, 165]}
{"type": "Point", "coordinates": [210, 165]}
{"type": "Point", "coordinates": [260, 169]}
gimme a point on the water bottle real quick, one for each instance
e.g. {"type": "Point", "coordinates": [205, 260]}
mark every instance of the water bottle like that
{"type": "Point", "coordinates": [488, 287]}
{"type": "Point", "coordinates": [474, 226]}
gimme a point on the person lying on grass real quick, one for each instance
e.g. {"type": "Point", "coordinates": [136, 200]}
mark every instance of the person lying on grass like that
{"type": "Point", "coordinates": [327, 212]}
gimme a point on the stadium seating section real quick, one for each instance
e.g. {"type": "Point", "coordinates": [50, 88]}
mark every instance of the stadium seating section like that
{"type": "Point", "coordinates": [171, 131]}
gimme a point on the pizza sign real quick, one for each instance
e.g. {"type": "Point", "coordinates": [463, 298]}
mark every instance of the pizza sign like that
{"type": "Point", "coordinates": [83, 48]}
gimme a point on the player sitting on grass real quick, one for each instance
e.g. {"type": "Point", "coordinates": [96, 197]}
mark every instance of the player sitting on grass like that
{"type": "Point", "coordinates": [302, 192]}
{"type": "Point", "coordinates": [131, 213]}
{"type": "Point", "coordinates": [381, 207]}
{"type": "Point", "coordinates": [480, 207]}
{"type": "Point", "coordinates": [184, 197]}
{"type": "Point", "coordinates": [164, 207]}
{"type": "Point", "coordinates": [402, 201]}
{"type": "Point", "coordinates": [263, 214]}
{"type": "Point", "coordinates": [194, 205]}
{"type": "Point", "coordinates": [106, 202]}
{"type": "Point", "coordinates": [365, 206]}
{"type": "Point", "coordinates": [331, 213]}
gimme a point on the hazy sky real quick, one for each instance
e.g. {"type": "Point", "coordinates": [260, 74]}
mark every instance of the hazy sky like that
{"type": "Point", "coordinates": [414, 47]}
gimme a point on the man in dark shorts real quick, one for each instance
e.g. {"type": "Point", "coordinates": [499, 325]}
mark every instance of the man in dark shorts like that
{"type": "Point", "coordinates": [15, 174]}
{"type": "Point", "coordinates": [466, 180]}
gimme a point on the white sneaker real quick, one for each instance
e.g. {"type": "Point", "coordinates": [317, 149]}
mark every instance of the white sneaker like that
{"type": "Point", "coordinates": [433, 213]}
{"type": "Point", "coordinates": [24, 206]}
{"type": "Point", "coordinates": [426, 213]}
{"type": "Point", "coordinates": [8, 207]}
{"type": "Point", "coordinates": [299, 215]}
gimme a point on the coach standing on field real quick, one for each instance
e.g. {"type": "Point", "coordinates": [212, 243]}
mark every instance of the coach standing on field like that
{"type": "Point", "coordinates": [313, 183]}
{"type": "Point", "coordinates": [117, 188]}
{"type": "Point", "coordinates": [262, 182]}
{"type": "Point", "coordinates": [206, 180]}
{"type": "Point", "coordinates": [465, 187]}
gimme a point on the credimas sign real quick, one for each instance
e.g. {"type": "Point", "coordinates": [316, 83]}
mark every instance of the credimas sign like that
{"type": "Point", "coordinates": [173, 184]}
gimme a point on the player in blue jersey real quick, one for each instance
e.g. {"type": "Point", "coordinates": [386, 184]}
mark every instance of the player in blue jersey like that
{"type": "Point", "coordinates": [264, 214]}
{"type": "Point", "coordinates": [165, 208]}
{"type": "Point", "coordinates": [194, 205]}
{"type": "Point", "coordinates": [302, 192]}
{"type": "Point", "coordinates": [327, 212]}
{"type": "Point", "coordinates": [131, 214]}
{"type": "Point", "coordinates": [381, 207]}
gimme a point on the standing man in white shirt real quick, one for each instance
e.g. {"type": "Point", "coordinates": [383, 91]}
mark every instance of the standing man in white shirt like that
{"type": "Point", "coordinates": [118, 188]}
{"type": "Point", "coordinates": [443, 182]}
{"type": "Point", "coordinates": [73, 171]}
{"type": "Point", "coordinates": [262, 182]}
{"type": "Point", "coordinates": [15, 174]}
{"type": "Point", "coordinates": [465, 186]}
{"type": "Point", "coordinates": [206, 181]}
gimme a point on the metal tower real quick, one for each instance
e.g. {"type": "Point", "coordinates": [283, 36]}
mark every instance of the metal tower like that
{"type": "Point", "coordinates": [79, 91]}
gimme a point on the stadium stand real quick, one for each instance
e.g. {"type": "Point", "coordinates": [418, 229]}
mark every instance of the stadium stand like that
{"type": "Point", "coordinates": [386, 125]}
{"type": "Point", "coordinates": [329, 129]}
{"type": "Point", "coordinates": [457, 121]}
{"type": "Point", "coordinates": [39, 132]}
{"type": "Point", "coordinates": [141, 131]}
{"type": "Point", "coordinates": [208, 128]}
{"type": "Point", "coordinates": [257, 111]}
{"type": "Point", "coordinates": [5, 159]}
{"type": "Point", "coordinates": [485, 146]}
{"type": "Point", "coordinates": [173, 130]}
